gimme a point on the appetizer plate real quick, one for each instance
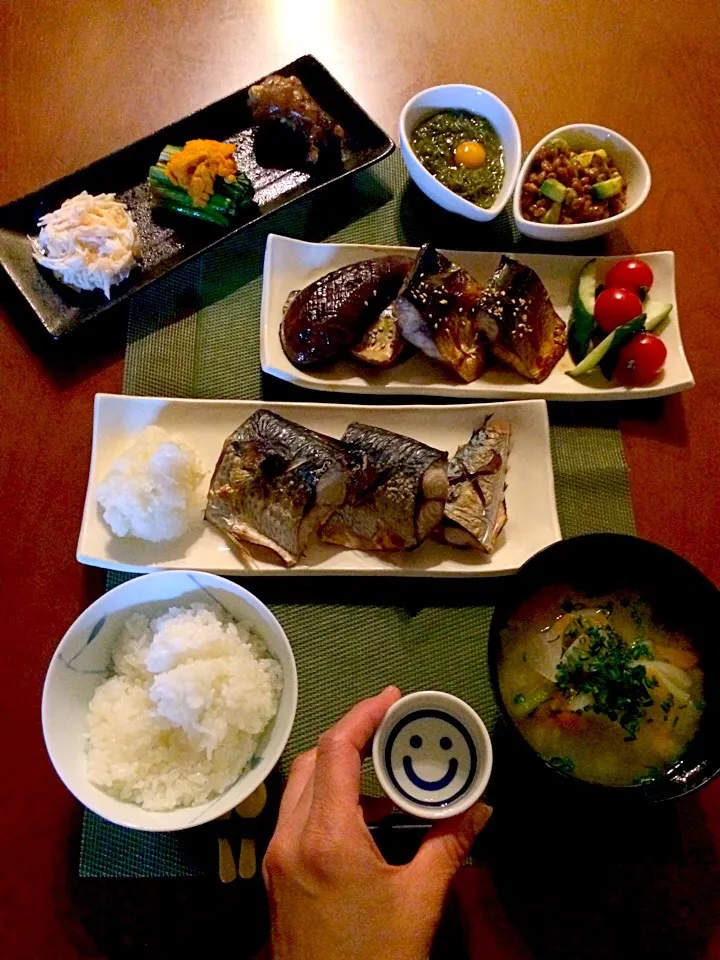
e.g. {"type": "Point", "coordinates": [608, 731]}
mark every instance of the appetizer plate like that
{"type": "Point", "coordinates": [168, 241]}
{"type": "Point", "coordinates": [205, 424]}
{"type": "Point", "coordinates": [292, 264]}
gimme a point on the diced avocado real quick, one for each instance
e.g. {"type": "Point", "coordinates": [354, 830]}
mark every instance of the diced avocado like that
{"type": "Point", "coordinates": [607, 188]}
{"type": "Point", "coordinates": [582, 322]}
{"type": "Point", "coordinates": [553, 214]}
{"type": "Point", "coordinates": [558, 142]}
{"type": "Point", "coordinates": [655, 312]}
{"type": "Point", "coordinates": [553, 190]}
{"type": "Point", "coordinates": [613, 341]}
{"type": "Point", "coordinates": [585, 158]}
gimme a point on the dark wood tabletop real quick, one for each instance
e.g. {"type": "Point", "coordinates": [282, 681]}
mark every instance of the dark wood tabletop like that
{"type": "Point", "coordinates": [81, 79]}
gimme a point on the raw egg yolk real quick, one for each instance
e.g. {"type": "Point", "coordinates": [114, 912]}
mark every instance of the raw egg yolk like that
{"type": "Point", "coordinates": [470, 154]}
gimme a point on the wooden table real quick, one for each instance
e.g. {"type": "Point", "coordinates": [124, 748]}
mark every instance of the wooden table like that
{"type": "Point", "coordinates": [84, 78]}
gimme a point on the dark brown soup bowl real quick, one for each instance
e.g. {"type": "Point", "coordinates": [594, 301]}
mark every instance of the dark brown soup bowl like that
{"type": "Point", "coordinates": [680, 597]}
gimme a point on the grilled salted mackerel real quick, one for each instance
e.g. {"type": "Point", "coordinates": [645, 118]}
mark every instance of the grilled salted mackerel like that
{"type": "Point", "coordinates": [275, 483]}
{"type": "Point", "coordinates": [399, 498]}
{"type": "Point", "coordinates": [475, 512]}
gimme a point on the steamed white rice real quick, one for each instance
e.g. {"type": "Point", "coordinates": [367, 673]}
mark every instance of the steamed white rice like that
{"type": "Point", "coordinates": [180, 720]}
{"type": "Point", "coordinates": [150, 490]}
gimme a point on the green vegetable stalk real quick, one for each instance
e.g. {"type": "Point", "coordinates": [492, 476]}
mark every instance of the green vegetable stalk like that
{"type": "Point", "coordinates": [223, 206]}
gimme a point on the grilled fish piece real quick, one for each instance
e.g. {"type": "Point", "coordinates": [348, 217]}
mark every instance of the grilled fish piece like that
{"type": "Point", "coordinates": [328, 316]}
{"type": "Point", "coordinates": [475, 512]}
{"type": "Point", "coordinates": [275, 483]}
{"type": "Point", "coordinates": [382, 344]}
{"type": "Point", "coordinates": [397, 505]}
{"type": "Point", "coordinates": [524, 330]}
{"type": "Point", "coordinates": [436, 310]}
{"type": "Point", "coordinates": [285, 101]}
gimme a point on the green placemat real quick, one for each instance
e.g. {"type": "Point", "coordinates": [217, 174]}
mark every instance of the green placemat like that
{"type": "Point", "coordinates": [349, 639]}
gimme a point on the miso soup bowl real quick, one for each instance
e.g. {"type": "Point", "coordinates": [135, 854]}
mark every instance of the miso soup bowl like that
{"type": "Point", "coordinates": [461, 96]}
{"type": "Point", "coordinates": [679, 596]}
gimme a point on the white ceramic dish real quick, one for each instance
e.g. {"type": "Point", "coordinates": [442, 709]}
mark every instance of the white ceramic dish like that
{"type": "Point", "coordinates": [205, 424]}
{"type": "Point", "coordinates": [432, 755]}
{"type": "Point", "coordinates": [460, 96]}
{"type": "Point", "coordinates": [292, 264]}
{"type": "Point", "coordinates": [82, 661]}
{"type": "Point", "coordinates": [585, 136]}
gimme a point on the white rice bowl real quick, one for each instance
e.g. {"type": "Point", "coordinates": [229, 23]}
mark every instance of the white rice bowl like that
{"type": "Point", "coordinates": [180, 719]}
{"type": "Point", "coordinates": [160, 720]}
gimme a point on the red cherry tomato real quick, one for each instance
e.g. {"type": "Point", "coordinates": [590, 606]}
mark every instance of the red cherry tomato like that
{"type": "Point", "coordinates": [615, 306]}
{"type": "Point", "coordinates": [631, 274]}
{"type": "Point", "coordinates": [641, 360]}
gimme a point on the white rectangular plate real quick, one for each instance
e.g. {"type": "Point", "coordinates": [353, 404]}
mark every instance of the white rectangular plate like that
{"type": "Point", "coordinates": [293, 264]}
{"type": "Point", "coordinates": [205, 424]}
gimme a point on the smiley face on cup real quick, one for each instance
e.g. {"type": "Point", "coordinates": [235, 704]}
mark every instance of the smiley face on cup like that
{"type": "Point", "coordinates": [432, 754]}
{"type": "Point", "coordinates": [430, 757]}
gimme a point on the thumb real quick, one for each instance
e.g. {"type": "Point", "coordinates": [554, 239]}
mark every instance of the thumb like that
{"type": "Point", "coordinates": [446, 846]}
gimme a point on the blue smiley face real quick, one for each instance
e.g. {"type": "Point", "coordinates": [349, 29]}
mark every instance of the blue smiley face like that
{"type": "Point", "coordinates": [430, 757]}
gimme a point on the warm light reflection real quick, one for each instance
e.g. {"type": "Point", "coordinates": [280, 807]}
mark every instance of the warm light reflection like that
{"type": "Point", "coordinates": [306, 26]}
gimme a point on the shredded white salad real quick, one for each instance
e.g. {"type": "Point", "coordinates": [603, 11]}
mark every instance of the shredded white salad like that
{"type": "Point", "coordinates": [89, 242]}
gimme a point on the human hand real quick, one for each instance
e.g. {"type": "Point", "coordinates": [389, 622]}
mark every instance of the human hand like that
{"type": "Point", "coordinates": [332, 894]}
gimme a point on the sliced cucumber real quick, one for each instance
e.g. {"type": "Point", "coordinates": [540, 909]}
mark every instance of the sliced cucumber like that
{"type": "Point", "coordinates": [619, 336]}
{"type": "Point", "coordinates": [582, 323]}
{"type": "Point", "coordinates": [655, 312]}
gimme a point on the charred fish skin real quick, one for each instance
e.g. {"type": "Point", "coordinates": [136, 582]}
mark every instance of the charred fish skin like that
{"type": "Point", "coordinates": [475, 512]}
{"type": "Point", "coordinates": [524, 330]}
{"type": "Point", "coordinates": [275, 483]}
{"type": "Point", "coordinates": [329, 316]}
{"type": "Point", "coordinates": [404, 500]}
{"type": "Point", "coordinates": [436, 311]}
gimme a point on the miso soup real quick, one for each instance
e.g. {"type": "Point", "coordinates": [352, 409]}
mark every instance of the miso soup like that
{"type": "Point", "coordinates": [598, 687]}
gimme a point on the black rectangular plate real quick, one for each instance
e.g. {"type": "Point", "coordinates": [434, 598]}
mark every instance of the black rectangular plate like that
{"type": "Point", "coordinates": [170, 240]}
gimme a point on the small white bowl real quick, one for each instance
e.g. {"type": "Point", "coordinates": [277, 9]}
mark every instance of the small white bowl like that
{"type": "Point", "coordinates": [81, 663]}
{"type": "Point", "coordinates": [588, 136]}
{"type": "Point", "coordinates": [432, 755]}
{"type": "Point", "coordinates": [461, 96]}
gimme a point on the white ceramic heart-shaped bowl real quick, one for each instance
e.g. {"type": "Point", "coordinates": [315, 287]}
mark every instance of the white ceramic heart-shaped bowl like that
{"type": "Point", "coordinates": [461, 96]}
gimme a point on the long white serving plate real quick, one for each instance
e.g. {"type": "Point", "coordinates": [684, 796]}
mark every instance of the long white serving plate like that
{"type": "Point", "coordinates": [205, 424]}
{"type": "Point", "coordinates": [292, 264]}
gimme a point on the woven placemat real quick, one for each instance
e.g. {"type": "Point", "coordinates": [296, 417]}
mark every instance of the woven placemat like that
{"type": "Point", "coordinates": [350, 639]}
